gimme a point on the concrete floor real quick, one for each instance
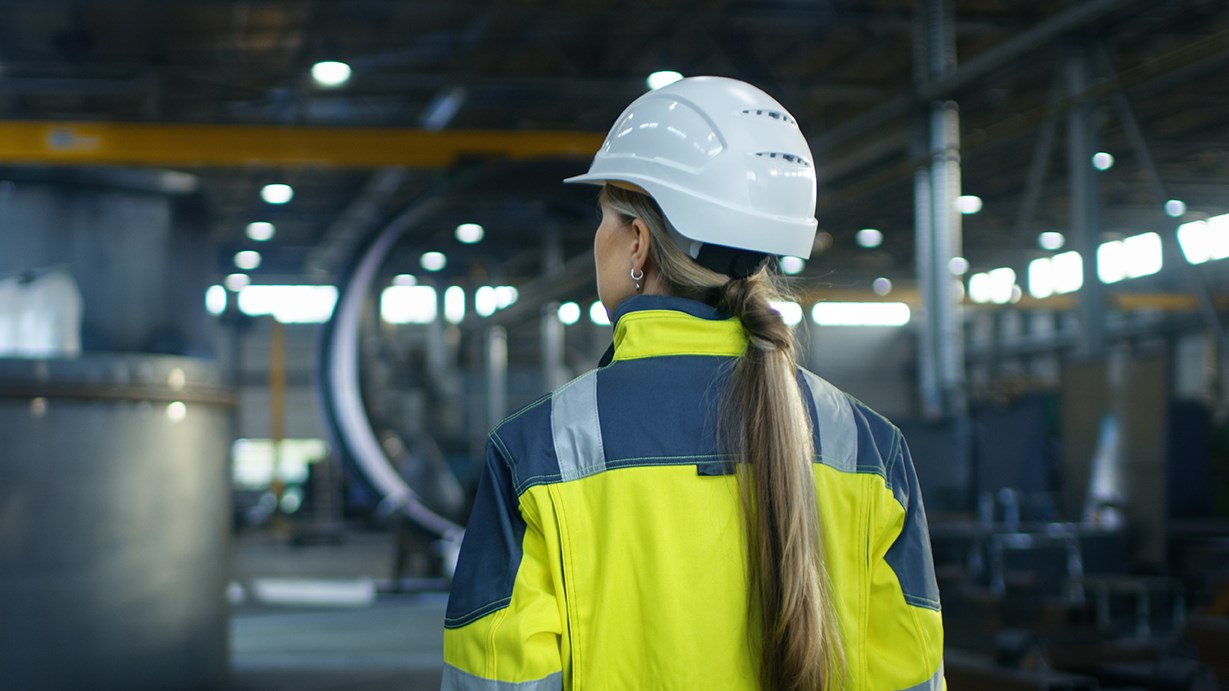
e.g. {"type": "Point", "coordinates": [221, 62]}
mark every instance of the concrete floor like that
{"type": "Point", "coordinates": [382, 641]}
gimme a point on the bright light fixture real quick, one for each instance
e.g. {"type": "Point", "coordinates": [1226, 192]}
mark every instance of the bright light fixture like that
{"type": "Point", "coordinates": [236, 282]}
{"type": "Point", "coordinates": [433, 261]}
{"type": "Point", "coordinates": [792, 265]}
{"type": "Point", "coordinates": [469, 233]}
{"type": "Point", "coordinates": [1175, 208]}
{"type": "Point", "coordinates": [881, 286]}
{"type": "Point", "coordinates": [1138, 255]}
{"type": "Point", "coordinates": [790, 311]}
{"type": "Point", "coordinates": [663, 78]}
{"type": "Point", "coordinates": [1051, 240]}
{"type": "Point", "coordinates": [408, 305]}
{"type": "Point", "coordinates": [490, 299]}
{"type": "Point", "coordinates": [869, 238]}
{"type": "Point", "coordinates": [454, 304]}
{"type": "Point", "coordinates": [260, 231]}
{"type": "Point", "coordinates": [277, 193]}
{"type": "Point", "coordinates": [215, 300]}
{"type": "Point", "coordinates": [597, 314]}
{"type": "Point", "coordinates": [968, 204]}
{"type": "Point", "coordinates": [569, 313]}
{"type": "Point", "coordinates": [176, 411]}
{"type": "Point", "coordinates": [997, 286]}
{"type": "Point", "coordinates": [1062, 273]}
{"type": "Point", "coordinates": [404, 280]}
{"type": "Point", "coordinates": [247, 259]}
{"type": "Point", "coordinates": [1203, 241]}
{"type": "Point", "coordinates": [1102, 160]}
{"type": "Point", "coordinates": [330, 73]}
{"type": "Point", "coordinates": [860, 314]}
{"type": "Point", "coordinates": [959, 266]}
{"type": "Point", "coordinates": [289, 304]}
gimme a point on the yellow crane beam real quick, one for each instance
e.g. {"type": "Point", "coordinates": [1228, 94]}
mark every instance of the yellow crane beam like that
{"type": "Point", "coordinates": [93, 143]}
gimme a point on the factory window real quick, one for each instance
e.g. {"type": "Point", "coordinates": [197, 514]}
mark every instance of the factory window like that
{"type": "Point", "coordinates": [408, 304]}
{"type": "Point", "coordinates": [1139, 255]}
{"type": "Point", "coordinates": [289, 304]}
{"type": "Point", "coordinates": [1203, 241]}
{"type": "Point", "coordinates": [997, 286]}
{"type": "Point", "coordinates": [860, 314]}
{"type": "Point", "coordinates": [254, 462]}
{"type": "Point", "coordinates": [490, 299]}
{"type": "Point", "coordinates": [790, 311]}
{"type": "Point", "coordinates": [1062, 273]}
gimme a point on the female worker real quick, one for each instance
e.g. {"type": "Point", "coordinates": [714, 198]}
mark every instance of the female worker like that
{"type": "Point", "coordinates": [698, 512]}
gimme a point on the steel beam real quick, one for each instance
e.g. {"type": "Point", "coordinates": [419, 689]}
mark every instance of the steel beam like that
{"type": "Point", "coordinates": [1026, 42]}
{"type": "Point", "coordinates": [74, 144]}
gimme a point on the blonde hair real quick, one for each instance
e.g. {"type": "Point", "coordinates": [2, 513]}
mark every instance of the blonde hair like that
{"type": "Point", "coordinates": [769, 431]}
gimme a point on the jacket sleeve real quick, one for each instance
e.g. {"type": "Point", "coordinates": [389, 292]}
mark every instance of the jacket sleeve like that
{"type": "Point", "coordinates": [904, 629]}
{"type": "Point", "coordinates": [503, 625]}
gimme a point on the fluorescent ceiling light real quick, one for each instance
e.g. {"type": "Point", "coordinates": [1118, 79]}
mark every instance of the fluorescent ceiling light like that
{"type": "Point", "coordinates": [433, 261]}
{"type": "Point", "coordinates": [869, 238]}
{"type": "Point", "coordinates": [247, 260]}
{"type": "Point", "coordinates": [277, 193]}
{"type": "Point", "coordinates": [469, 233]}
{"type": "Point", "coordinates": [860, 314]}
{"type": "Point", "coordinates": [569, 313]}
{"type": "Point", "coordinates": [330, 73]}
{"type": "Point", "coordinates": [260, 231]}
{"type": "Point", "coordinates": [792, 265]}
{"type": "Point", "coordinates": [968, 204]}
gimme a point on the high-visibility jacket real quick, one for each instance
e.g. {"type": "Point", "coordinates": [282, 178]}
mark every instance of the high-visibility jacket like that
{"type": "Point", "coordinates": [606, 548]}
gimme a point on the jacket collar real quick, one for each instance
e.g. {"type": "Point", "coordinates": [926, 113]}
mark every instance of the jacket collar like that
{"type": "Point", "coordinates": [662, 325]}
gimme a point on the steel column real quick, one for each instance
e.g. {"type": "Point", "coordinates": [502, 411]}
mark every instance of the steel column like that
{"type": "Point", "coordinates": [496, 375]}
{"type": "Point", "coordinates": [938, 225]}
{"type": "Point", "coordinates": [1085, 204]}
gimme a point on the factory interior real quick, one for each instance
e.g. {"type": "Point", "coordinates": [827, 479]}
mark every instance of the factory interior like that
{"type": "Point", "coordinates": [271, 270]}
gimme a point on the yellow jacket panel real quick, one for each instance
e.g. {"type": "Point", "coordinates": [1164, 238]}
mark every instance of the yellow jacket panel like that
{"type": "Point", "coordinates": [606, 546]}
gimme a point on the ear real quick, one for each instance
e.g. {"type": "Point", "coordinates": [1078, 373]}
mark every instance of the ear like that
{"type": "Point", "coordinates": [641, 241]}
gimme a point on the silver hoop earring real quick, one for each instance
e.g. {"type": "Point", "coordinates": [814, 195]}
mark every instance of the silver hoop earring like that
{"type": "Point", "coordinates": [636, 278]}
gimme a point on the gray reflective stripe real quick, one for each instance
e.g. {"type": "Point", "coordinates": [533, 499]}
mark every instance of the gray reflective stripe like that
{"type": "Point", "coordinates": [934, 683]}
{"type": "Point", "coordinates": [456, 680]}
{"type": "Point", "coordinates": [838, 435]}
{"type": "Point", "coordinates": [576, 430]}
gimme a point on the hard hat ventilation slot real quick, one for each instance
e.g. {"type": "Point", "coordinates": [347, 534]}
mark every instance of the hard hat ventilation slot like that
{"type": "Point", "coordinates": [774, 114]}
{"type": "Point", "coordinates": [788, 158]}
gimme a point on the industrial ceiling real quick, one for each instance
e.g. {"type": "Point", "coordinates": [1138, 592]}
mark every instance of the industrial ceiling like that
{"type": "Point", "coordinates": [480, 108]}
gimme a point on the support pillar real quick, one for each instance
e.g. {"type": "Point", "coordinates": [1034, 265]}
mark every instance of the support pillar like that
{"type": "Point", "coordinates": [938, 223]}
{"type": "Point", "coordinates": [554, 371]}
{"type": "Point", "coordinates": [496, 375]}
{"type": "Point", "coordinates": [1085, 205]}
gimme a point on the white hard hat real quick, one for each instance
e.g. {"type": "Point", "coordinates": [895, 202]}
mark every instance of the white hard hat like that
{"type": "Point", "coordinates": [725, 161]}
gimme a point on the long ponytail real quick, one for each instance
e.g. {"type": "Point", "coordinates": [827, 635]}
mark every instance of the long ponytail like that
{"type": "Point", "coordinates": [799, 637]}
{"type": "Point", "coordinates": [768, 429]}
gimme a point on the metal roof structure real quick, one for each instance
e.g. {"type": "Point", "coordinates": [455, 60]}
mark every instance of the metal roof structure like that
{"type": "Point", "coordinates": [210, 99]}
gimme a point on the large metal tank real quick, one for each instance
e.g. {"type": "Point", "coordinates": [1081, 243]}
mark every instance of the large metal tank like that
{"type": "Point", "coordinates": [114, 524]}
